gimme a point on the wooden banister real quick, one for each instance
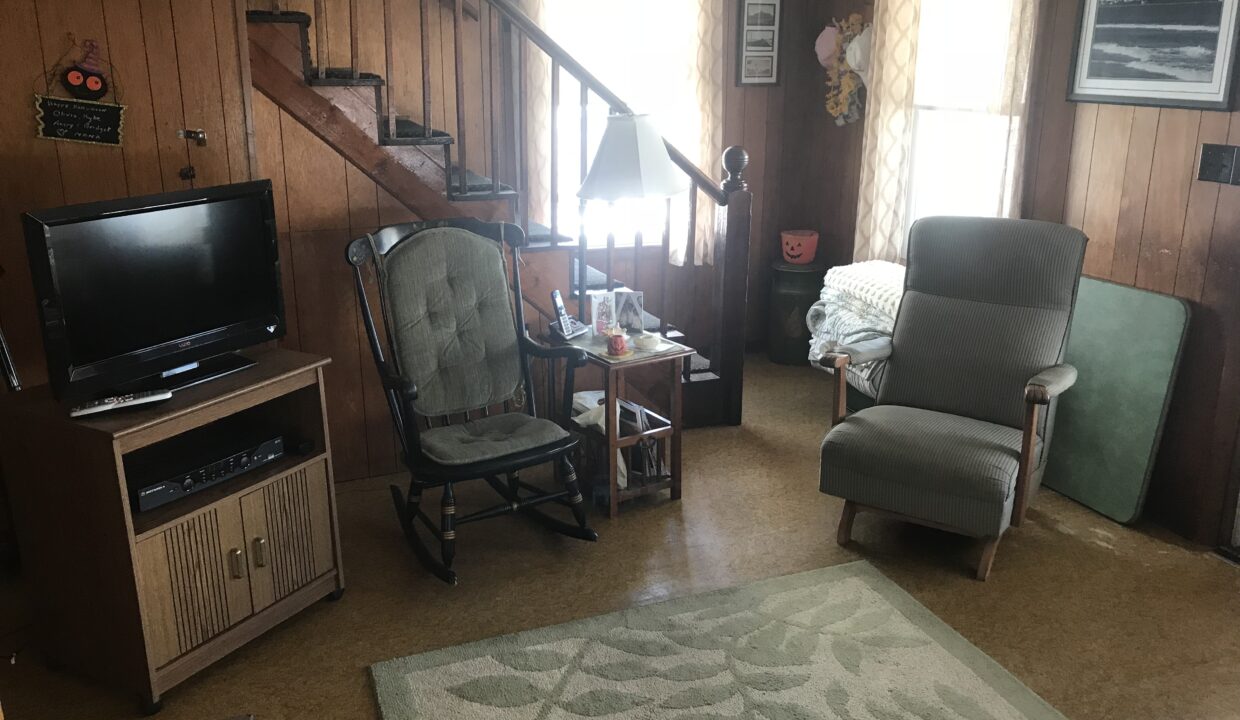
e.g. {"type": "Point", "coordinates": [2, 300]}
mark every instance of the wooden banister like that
{"type": "Point", "coordinates": [539, 37]}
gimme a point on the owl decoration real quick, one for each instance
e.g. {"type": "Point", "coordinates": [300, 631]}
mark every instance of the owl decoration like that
{"type": "Point", "coordinates": [84, 79]}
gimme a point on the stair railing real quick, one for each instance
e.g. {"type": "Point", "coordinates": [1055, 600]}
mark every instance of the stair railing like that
{"type": "Point", "coordinates": [519, 28]}
{"type": "Point", "coordinates": [505, 31]}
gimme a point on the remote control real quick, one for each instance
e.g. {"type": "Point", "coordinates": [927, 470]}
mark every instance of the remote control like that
{"type": "Point", "coordinates": [120, 401]}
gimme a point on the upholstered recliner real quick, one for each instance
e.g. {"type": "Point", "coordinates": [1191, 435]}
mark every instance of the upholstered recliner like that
{"type": "Point", "coordinates": [458, 380]}
{"type": "Point", "coordinates": [957, 440]}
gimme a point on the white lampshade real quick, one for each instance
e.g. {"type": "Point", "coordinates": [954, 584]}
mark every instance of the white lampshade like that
{"type": "Point", "coordinates": [632, 162]}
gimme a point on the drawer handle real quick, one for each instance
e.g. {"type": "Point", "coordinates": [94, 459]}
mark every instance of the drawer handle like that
{"type": "Point", "coordinates": [235, 564]}
{"type": "Point", "coordinates": [260, 552]}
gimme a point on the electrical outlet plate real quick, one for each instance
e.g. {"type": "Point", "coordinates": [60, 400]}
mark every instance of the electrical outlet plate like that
{"type": "Point", "coordinates": [1218, 164]}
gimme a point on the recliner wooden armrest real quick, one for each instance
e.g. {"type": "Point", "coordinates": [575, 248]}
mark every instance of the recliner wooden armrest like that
{"type": "Point", "coordinates": [857, 353]}
{"type": "Point", "coordinates": [1049, 384]}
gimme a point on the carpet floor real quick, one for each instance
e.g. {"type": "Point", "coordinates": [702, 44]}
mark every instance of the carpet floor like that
{"type": "Point", "coordinates": [1100, 620]}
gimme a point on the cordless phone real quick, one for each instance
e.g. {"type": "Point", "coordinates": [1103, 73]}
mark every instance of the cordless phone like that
{"type": "Point", "coordinates": [566, 326]}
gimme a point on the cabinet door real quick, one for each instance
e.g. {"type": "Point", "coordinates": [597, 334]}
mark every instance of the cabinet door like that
{"type": "Point", "coordinates": [193, 581]}
{"type": "Point", "coordinates": [288, 530]}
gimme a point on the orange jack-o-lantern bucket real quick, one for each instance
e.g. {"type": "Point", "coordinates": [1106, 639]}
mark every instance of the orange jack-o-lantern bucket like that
{"type": "Point", "coordinates": [799, 246]}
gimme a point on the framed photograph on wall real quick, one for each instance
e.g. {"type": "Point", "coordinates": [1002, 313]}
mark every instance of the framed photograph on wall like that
{"type": "Point", "coordinates": [757, 47]}
{"type": "Point", "coordinates": [1166, 53]}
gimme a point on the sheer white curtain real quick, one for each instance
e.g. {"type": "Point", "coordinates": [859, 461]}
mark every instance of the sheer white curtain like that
{"type": "Point", "coordinates": [664, 59]}
{"type": "Point", "coordinates": [947, 116]}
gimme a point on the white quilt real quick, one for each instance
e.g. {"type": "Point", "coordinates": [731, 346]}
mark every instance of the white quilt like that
{"type": "Point", "coordinates": [858, 302]}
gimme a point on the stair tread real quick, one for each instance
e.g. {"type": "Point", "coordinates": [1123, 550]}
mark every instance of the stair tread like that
{"type": "Point", "coordinates": [595, 279]}
{"type": "Point", "coordinates": [409, 132]}
{"type": "Point", "coordinates": [474, 182]}
{"type": "Point", "coordinates": [287, 16]}
{"type": "Point", "coordinates": [698, 364]}
{"type": "Point", "coordinates": [344, 76]}
{"type": "Point", "coordinates": [539, 233]}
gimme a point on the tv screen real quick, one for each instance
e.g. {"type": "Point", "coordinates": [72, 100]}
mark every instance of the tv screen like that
{"type": "Point", "coordinates": [136, 287]}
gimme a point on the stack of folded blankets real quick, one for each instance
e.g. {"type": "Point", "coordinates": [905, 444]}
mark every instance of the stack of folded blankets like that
{"type": "Point", "coordinates": [858, 302]}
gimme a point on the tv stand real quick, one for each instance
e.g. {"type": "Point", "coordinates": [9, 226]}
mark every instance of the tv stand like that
{"type": "Point", "coordinates": [144, 600]}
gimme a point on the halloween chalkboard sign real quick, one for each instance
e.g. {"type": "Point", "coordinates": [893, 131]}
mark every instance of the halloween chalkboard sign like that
{"type": "Point", "coordinates": [84, 116]}
{"type": "Point", "coordinates": [79, 120]}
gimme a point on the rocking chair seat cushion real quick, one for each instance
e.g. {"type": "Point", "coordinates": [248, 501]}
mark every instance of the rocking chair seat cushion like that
{"type": "Point", "coordinates": [946, 469]}
{"type": "Point", "coordinates": [489, 438]}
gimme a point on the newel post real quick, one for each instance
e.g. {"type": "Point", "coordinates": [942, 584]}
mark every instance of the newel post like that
{"type": "Point", "coordinates": [732, 254]}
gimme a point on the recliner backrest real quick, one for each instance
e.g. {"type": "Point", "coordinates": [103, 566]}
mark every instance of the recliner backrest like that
{"type": "Point", "coordinates": [449, 319]}
{"type": "Point", "coordinates": [987, 305]}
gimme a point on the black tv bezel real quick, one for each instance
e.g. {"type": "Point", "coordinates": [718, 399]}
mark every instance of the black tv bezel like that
{"type": "Point", "coordinates": [70, 382]}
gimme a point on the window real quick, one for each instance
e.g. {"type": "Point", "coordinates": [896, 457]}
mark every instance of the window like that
{"type": "Point", "coordinates": [967, 119]}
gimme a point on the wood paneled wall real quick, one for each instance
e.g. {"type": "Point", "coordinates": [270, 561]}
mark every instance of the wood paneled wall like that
{"type": "Point", "coordinates": [1126, 177]}
{"type": "Point", "coordinates": [176, 64]}
{"type": "Point", "coordinates": [804, 170]}
{"type": "Point", "coordinates": [323, 202]}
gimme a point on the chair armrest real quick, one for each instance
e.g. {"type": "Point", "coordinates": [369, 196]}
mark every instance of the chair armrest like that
{"type": "Point", "coordinates": [576, 357]}
{"type": "Point", "coordinates": [858, 353]}
{"type": "Point", "coordinates": [1050, 384]}
{"type": "Point", "coordinates": [407, 390]}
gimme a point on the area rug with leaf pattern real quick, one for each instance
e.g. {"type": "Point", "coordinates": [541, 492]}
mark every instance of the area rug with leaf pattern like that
{"type": "Point", "coordinates": [843, 642]}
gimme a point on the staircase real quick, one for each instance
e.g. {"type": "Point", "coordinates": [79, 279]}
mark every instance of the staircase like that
{"type": "Point", "coordinates": [431, 170]}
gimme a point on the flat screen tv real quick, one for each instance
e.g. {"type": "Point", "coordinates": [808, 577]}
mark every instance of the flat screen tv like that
{"type": "Point", "coordinates": [155, 292]}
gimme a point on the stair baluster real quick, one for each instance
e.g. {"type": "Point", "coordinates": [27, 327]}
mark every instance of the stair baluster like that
{"type": "Point", "coordinates": [637, 253]}
{"type": "Point", "coordinates": [665, 309]}
{"type": "Point", "coordinates": [524, 140]}
{"type": "Point", "coordinates": [458, 39]}
{"type": "Point", "coordinates": [492, 51]}
{"type": "Point", "coordinates": [611, 248]}
{"type": "Point", "coordinates": [555, 153]}
{"type": "Point", "coordinates": [320, 36]}
{"type": "Point", "coordinates": [354, 45]}
{"type": "Point", "coordinates": [424, 33]}
{"type": "Point", "coordinates": [389, 107]}
{"type": "Point", "coordinates": [690, 254]}
{"type": "Point", "coordinates": [582, 240]}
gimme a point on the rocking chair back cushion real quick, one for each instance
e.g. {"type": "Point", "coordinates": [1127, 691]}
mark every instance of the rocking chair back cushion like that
{"type": "Point", "coordinates": [987, 304]}
{"type": "Point", "coordinates": [449, 317]}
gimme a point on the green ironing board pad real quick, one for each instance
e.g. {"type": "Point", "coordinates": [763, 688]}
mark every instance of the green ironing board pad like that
{"type": "Point", "coordinates": [1126, 344]}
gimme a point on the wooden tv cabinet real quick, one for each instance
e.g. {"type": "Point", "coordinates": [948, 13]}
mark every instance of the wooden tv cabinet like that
{"type": "Point", "coordinates": [143, 600]}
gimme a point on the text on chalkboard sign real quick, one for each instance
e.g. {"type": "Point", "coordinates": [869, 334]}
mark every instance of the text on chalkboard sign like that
{"type": "Point", "coordinates": [79, 120]}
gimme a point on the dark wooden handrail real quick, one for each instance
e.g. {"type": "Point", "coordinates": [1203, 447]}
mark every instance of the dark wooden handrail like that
{"type": "Point", "coordinates": [561, 56]}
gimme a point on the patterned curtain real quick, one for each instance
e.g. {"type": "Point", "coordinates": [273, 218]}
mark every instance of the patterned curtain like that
{"type": "Point", "coordinates": [709, 78]}
{"type": "Point", "coordinates": [976, 94]}
{"type": "Point", "coordinates": [887, 147]}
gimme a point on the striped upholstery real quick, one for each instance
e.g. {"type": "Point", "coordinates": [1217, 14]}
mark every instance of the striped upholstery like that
{"type": "Point", "coordinates": [947, 469]}
{"type": "Point", "coordinates": [987, 305]}
{"type": "Point", "coordinates": [449, 315]}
